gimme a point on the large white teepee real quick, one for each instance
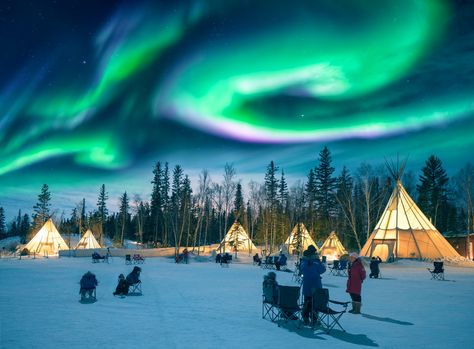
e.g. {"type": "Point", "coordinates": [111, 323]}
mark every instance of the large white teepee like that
{"type": "Point", "coordinates": [404, 231]}
{"type": "Point", "coordinates": [47, 240]}
{"type": "Point", "coordinates": [299, 239]}
{"type": "Point", "coordinates": [237, 240]}
{"type": "Point", "coordinates": [87, 241]}
{"type": "Point", "coordinates": [332, 247]}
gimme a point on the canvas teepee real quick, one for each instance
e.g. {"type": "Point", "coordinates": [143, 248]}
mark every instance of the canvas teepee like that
{"type": "Point", "coordinates": [47, 240]}
{"type": "Point", "coordinates": [237, 239]}
{"type": "Point", "coordinates": [88, 241]}
{"type": "Point", "coordinates": [404, 231]}
{"type": "Point", "coordinates": [332, 247]}
{"type": "Point", "coordinates": [299, 240]}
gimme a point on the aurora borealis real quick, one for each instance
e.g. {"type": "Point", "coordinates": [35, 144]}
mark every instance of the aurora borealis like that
{"type": "Point", "coordinates": [95, 92]}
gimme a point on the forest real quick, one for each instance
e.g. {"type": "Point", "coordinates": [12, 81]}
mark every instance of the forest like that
{"type": "Point", "coordinates": [349, 203]}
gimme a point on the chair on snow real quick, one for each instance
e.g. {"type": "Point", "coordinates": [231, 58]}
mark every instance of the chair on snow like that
{"type": "Point", "coordinates": [288, 307]}
{"type": "Point", "coordinates": [326, 317]}
{"type": "Point", "coordinates": [128, 259]}
{"type": "Point", "coordinates": [138, 259]}
{"type": "Point", "coordinates": [269, 305]}
{"type": "Point", "coordinates": [334, 268]}
{"type": "Point", "coordinates": [438, 272]}
{"type": "Point", "coordinates": [342, 269]}
{"type": "Point", "coordinates": [226, 259]}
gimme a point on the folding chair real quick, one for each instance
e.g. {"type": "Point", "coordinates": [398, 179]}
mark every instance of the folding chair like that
{"type": "Point", "coordinates": [438, 272]}
{"type": "Point", "coordinates": [268, 263]}
{"type": "Point", "coordinates": [88, 295]}
{"type": "Point", "coordinates": [135, 289]}
{"type": "Point", "coordinates": [342, 268]}
{"type": "Point", "coordinates": [225, 260]}
{"type": "Point", "coordinates": [326, 317]}
{"type": "Point", "coordinates": [288, 304]}
{"type": "Point", "coordinates": [128, 259]}
{"type": "Point", "coordinates": [269, 308]}
{"type": "Point", "coordinates": [335, 267]}
{"type": "Point", "coordinates": [138, 259]}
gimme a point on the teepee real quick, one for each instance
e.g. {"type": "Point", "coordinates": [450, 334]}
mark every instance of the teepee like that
{"type": "Point", "coordinates": [237, 240]}
{"type": "Point", "coordinates": [332, 247]}
{"type": "Point", "coordinates": [47, 240]}
{"type": "Point", "coordinates": [87, 241]}
{"type": "Point", "coordinates": [403, 231]}
{"type": "Point", "coordinates": [299, 240]}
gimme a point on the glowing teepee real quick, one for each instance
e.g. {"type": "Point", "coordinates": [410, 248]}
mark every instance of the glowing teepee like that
{"type": "Point", "coordinates": [332, 247]}
{"type": "Point", "coordinates": [88, 241]}
{"type": "Point", "coordinates": [299, 240]}
{"type": "Point", "coordinates": [47, 240]}
{"type": "Point", "coordinates": [404, 231]}
{"type": "Point", "coordinates": [237, 239]}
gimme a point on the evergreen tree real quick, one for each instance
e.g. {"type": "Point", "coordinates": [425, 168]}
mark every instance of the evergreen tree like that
{"type": "Point", "coordinates": [102, 211]}
{"type": "Point", "coordinates": [325, 186]}
{"type": "Point", "coordinates": [239, 203]}
{"type": "Point", "coordinates": [41, 208]}
{"type": "Point", "coordinates": [432, 192]}
{"type": "Point", "coordinates": [156, 203]}
{"type": "Point", "coordinates": [3, 227]}
{"type": "Point", "coordinates": [124, 216]}
{"type": "Point", "coordinates": [283, 192]}
{"type": "Point", "coordinates": [271, 185]}
{"type": "Point", "coordinates": [25, 226]}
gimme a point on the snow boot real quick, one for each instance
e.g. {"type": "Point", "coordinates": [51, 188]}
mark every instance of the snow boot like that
{"type": "Point", "coordinates": [355, 308]}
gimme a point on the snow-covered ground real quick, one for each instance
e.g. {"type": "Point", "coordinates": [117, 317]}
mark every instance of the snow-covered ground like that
{"type": "Point", "coordinates": [201, 305]}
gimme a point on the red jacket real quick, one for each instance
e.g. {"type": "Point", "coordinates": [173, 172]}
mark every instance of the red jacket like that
{"type": "Point", "coordinates": [356, 276]}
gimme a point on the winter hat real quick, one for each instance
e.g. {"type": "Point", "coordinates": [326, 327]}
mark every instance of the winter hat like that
{"type": "Point", "coordinates": [311, 249]}
{"type": "Point", "coordinates": [121, 276]}
{"type": "Point", "coordinates": [137, 269]}
{"type": "Point", "coordinates": [353, 254]}
{"type": "Point", "coordinates": [271, 275]}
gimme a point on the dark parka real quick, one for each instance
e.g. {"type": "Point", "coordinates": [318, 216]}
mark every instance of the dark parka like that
{"type": "Point", "coordinates": [356, 277]}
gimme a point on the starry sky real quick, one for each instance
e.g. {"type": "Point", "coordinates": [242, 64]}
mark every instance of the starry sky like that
{"type": "Point", "coordinates": [96, 92]}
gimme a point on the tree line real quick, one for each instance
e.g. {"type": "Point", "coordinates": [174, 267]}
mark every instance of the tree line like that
{"type": "Point", "coordinates": [175, 215]}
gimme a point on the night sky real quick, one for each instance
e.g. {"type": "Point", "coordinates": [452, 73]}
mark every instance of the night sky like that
{"type": "Point", "coordinates": [96, 92]}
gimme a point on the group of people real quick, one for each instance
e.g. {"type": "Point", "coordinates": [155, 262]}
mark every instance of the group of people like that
{"type": "Point", "coordinates": [278, 261]}
{"type": "Point", "coordinates": [311, 268]}
{"type": "Point", "coordinates": [89, 282]}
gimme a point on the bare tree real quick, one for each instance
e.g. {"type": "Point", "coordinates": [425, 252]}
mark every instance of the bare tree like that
{"type": "Point", "coordinates": [228, 191]}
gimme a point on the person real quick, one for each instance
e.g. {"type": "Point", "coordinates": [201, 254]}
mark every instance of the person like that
{"type": "Point", "coordinates": [281, 261]}
{"type": "Point", "coordinates": [185, 255]}
{"type": "Point", "coordinates": [356, 276]}
{"type": "Point", "coordinates": [134, 277]}
{"type": "Point", "coordinates": [122, 286]}
{"type": "Point", "coordinates": [218, 258]}
{"type": "Point", "coordinates": [257, 260]}
{"type": "Point", "coordinates": [88, 284]}
{"type": "Point", "coordinates": [270, 288]}
{"type": "Point", "coordinates": [311, 268]}
{"type": "Point", "coordinates": [374, 267]}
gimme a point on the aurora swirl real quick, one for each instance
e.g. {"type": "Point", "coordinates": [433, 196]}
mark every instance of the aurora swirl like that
{"type": "Point", "coordinates": [102, 90]}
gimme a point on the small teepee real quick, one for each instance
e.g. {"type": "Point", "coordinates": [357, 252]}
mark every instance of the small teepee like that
{"type": "Point", "coordinates": [47, 240]}
{"type": "Point", "coordinates": [332, 247]}
{"type": "Point", "coordinates": [237, 240]}
{"type": "Point", "coordinates": [88, 241]}
{"type": "Point", "coordinates": [403, 231]}
{"type": "Point", "coordinates": [299, 240]}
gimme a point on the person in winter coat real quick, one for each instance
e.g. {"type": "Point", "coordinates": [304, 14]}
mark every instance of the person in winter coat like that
{"type": "Point", "coordinates": [311, 268]}
{"type": "Point", "coordinates": [88, 284]}
{"type": "Point", "coordinates": [270, 288]}
{"type": "Point", "coordinates": [122, 286]}
{"type": "Point", "coordinates": [134, 277]}
{"type": "Point", "coordinates": [374, 267]}
{"type": "Point", "coordinates": [354, 282]}
{"type": "Point", "coordinates": [281, 261]}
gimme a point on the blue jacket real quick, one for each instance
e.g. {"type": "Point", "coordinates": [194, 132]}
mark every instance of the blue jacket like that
{"type": "Point", "coordinates": [282, 259]}
{"type": "Point", "coordinates": [311, 270]}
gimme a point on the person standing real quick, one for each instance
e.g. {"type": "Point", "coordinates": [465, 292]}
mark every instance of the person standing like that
{"type": "Point", "coordinates": [374, 267]}
{"type": "Point", "coordinates": [311, 268]}
{"type": "Point", "coordinates": [356, 276]}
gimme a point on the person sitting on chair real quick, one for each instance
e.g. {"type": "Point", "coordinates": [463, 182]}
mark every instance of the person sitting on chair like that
{"type": "Point", "coordinates": [122, 286]}
{"type": "Point", "coordinates": [88, 284]}
{"type": "Point", "coordinates": [374, 267]}
{"type": "Point", "coordinates": [134, 277]}
{"type": "Point", "coordinates": [218, 258]}
{"type": "Point", "coordinates": [257, 260]}
{"type": "Point", "coordinates": [270, 287]}
{"type": "Point", "coordinates": [96, 255]}
{"type": "Point", "coordinates": [281, 261]}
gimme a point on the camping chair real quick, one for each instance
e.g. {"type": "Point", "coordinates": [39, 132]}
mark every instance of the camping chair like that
{"type": "Point", "coordinates": [138, 259]}
{"type": "Point", "coordinates": [88, 295]}
{"type": "Point", "coordinates": [335, 267]}
{"type": "Point", "coordinates": [326, 317]}
{"type": "Point", "coordinates": [269, 308]}
{"type": "Point", "coordinates": [438, 272]}
{"type": "Point", "coordinates": [268, 264]}
{"type": "Point", "coordinates": [342, 268]}
{"type": "Point", "coordinates": [128, 259]}
{"type": "Point", "coordinates": [288, 303]}
{"type": "Point", "coordinates": [135, 289]}
{"type": "Point", "coordinates": [226, 259]}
